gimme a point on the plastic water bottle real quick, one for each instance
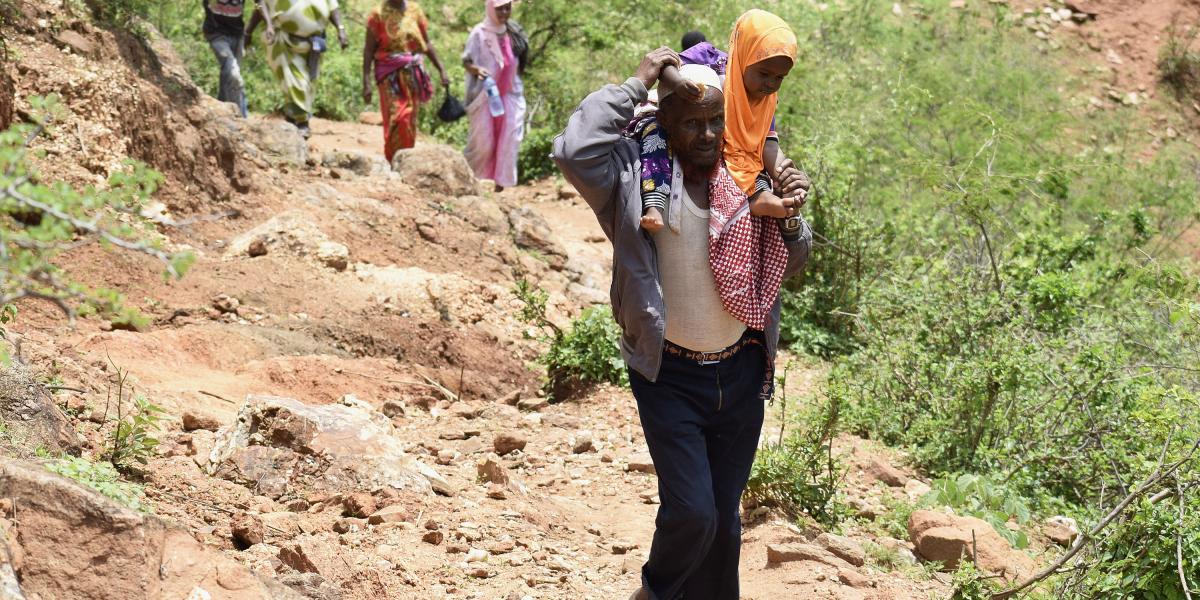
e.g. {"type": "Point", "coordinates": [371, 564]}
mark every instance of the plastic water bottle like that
{"type": "Point", "coordinates": [495, 102]}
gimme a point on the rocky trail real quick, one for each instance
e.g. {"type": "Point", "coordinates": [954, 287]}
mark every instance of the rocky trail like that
{"type": "Point", "coordinates": [352, 408]}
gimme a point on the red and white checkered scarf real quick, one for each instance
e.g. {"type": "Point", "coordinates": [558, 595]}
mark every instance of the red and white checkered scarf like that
{"type": "Point", "coordinates": [747, 253]}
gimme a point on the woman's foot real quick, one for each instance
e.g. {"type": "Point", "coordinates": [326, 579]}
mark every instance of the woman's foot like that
{"type": "Point", "coordinates": [305, 132]}
{"type": "Point", "coordinates": [497, 188]}
{"type": "Point", "coordinates": [652, 221]}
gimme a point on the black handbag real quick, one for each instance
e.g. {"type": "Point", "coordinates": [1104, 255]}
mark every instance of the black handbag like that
{"type": "Point", "coordinates": [452, 109]}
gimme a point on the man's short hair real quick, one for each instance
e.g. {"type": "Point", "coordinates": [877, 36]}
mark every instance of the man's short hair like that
{"type": "Point", "coordinates": [692, 38]}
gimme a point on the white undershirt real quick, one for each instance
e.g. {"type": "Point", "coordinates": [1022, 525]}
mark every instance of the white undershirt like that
{"type": "Point", "coordinates": [696, 319]}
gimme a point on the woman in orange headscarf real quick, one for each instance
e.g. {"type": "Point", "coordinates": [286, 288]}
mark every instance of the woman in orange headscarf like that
{"type": "Point", "coordinates": [762, 51]}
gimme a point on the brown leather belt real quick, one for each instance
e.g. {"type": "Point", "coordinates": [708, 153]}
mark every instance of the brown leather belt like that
{"type": "Point", "coordinates": [749, 338]}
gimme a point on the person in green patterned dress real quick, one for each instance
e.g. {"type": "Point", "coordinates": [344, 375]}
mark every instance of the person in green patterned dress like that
{"type": "Point", "coordinates": [295, 39]}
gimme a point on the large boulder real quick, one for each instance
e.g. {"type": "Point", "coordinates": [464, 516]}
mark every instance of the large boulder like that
{"type": "Point", "coordinates": [948, 538]}
{"type": "Point", "coordinates": [282, 447]}
{"type": "Point", "coordinates": [435, 168]}
{"type": "Point", "coordinates": [279, 141]}
{"type": "Point", "coordinates": [531, 231]}
{"type": "Point", "coordinates": [29, 418]}
{"type": "Point", "coordinates": [68, 541]}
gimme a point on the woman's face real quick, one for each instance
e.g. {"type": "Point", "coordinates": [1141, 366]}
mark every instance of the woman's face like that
{"type": "Point", "coordinates": [504, 11]}
{"type": "Point", "coordinates": [765, 77]}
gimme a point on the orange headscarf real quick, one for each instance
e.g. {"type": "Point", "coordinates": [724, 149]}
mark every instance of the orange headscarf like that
{"type": "Point", "coordinates": [757, 35]}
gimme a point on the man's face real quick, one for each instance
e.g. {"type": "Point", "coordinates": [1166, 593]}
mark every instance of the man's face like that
{"type": "Point", "coordinates": [695, 130]}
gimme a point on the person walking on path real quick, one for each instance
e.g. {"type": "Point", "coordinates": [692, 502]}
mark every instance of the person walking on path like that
{"type": "Point", "coordinates": [394, 60]}
{"type": "Point", "coordinates": [495, 57]}
{"type": "Point", "coordinates": [699, 376]}
{"type": "Point", "coordinates": [295, 38]}
{"type": "Point", "coordinates": [223, 28]}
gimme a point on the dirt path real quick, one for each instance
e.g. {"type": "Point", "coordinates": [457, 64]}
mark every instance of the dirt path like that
{"type": "Point", "coordinates": [417, 300]}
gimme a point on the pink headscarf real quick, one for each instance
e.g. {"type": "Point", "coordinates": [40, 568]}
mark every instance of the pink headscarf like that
{"type": "Point", "coordinates": [491, 24]}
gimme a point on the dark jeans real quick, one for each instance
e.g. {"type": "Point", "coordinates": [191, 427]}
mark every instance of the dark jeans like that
{"type": "Point", "coordinates": [228, 50]}
{"type": "Point", "coordinates": [702, 424]}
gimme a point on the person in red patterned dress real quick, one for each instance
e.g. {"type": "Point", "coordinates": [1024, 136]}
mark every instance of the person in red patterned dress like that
{"type": "Point", "coordinates": [394, 61]}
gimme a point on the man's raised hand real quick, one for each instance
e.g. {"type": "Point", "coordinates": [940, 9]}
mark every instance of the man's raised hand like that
{"type": "Point", "coordinates": [653, 63]}
{"type": "Point", "coordinates": [792, 182]}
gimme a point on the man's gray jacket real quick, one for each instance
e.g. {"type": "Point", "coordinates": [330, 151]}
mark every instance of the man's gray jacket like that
{"type": "Point", "coordinates": [605, 168]}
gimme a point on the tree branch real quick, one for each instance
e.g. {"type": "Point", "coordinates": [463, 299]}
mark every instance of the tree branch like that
{"type": "Point", "coordinates": [1156, 477]}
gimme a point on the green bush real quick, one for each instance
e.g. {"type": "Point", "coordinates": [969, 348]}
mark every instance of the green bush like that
{"type": "Point", "coordinates": [1143, 556]}
{"type": "Point", "coordinates": [1179, 62]}
{"type": "Point", "coordinates": [100, 476]}
{"type": "Point", "coordinates": [585, 354]}
{"type": "Point", "coordinates": [801, 475]}
{"type": "Point", "coordinates": [978, 497]}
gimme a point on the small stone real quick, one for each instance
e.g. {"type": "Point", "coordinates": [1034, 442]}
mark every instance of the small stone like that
{"type": "Point", "coordinates": [433, 537]}
{"type": "Point", "coordinates": [843, 548]}
{"type": "Point", "coordinates": [333, 255]}
{"type": "Point", "coordinates": [358, 504]}
{"type": "Point", "coordinates": [505, 443]}
{"type": "Point", "coordinates": [781, 553]}
{"type": "Point", "coordinates": [502, 547]}
{"type": "Point", "coordinates": [295, 557]}
{"type": "Point", "coordinates": [491, 471]}
{"type": "Point", "coordinates": [226, 303]}
{"type": "Point", "coordinates": [567, 192]}
{"type": "Point", "coordinates": [297, 505]}
{"type": "Point", "coordinates": [193, 421]}
{"type": "Point", "coordinates": [916, 489]}
{"type": "Point", "coordinates": [432, 525]}
{"type": "Point", "coordinates": [496, 492]}
{"type": "Point", "coordinates": [393, 408]}
{"type": "Point", "coordinates": [885, 473]}
{"type": "Point", "coordinates": [349, 524]}
{"type": "Point", "coordinates": [583, 443]}
{"type": "Point", "coordinates": [532, 404]}
{"type": "Point", "coordinates": [476, 555]}
{"type": "Point", "coordinates": [607, 457]}
{"type": "Point", "coordinates": [247, 530]}
{"type": "Point", "coordinates": [257, 247]}
{"type": "Point", "coordinates": [1061, 530]}
{"type": "Point", "coordinates": [479, 573]}
{"type": "Point", "coordinates": [390, 514]}
{"type": "Point", "coordinates": [623, 547]}
{"type": "Point", "coordinates": [446, 456]}
{"type": "Point", "coordinates": [853, 579]}
{"type": "Point", "coordinates": [456, 548]}
{"type": "Point", "coordinates": [641, 463]}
